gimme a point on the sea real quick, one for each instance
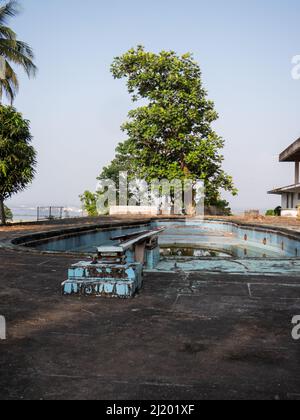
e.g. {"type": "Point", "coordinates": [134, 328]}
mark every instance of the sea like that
{"type": "Point", "coordinates": [30, 213]}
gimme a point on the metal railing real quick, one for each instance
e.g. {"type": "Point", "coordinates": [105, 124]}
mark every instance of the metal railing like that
{"type": "Point", "coordinates": [49, 213]}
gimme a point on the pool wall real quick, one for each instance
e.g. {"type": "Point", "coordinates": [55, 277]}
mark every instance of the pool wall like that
{"type": "Point", "coordinates": [79, 240]}
{"type": "Point", "coordinates": [85, 240]}
{"type": "Point", "coordinates": [283, 242]}
{"type": "Point", "coordinates": [89, 241]}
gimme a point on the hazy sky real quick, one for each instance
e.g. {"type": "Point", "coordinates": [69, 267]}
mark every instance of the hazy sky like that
{"type": "Point", "coordinates": [244, 48]}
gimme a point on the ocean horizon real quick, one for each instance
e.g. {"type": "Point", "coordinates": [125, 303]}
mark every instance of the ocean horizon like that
{"type": "Point", "coordinates": [30, 213]}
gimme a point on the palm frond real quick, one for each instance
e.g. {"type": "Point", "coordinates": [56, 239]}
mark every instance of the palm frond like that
{"type": "Point", "coordinates": [9, 89]}
{"type": "Point", "coordinates": [9, 82]}
{"type": "Point", "coordinates": [9, 10]}
{"type": "Point", "coordinates": [19, 53]}
{"type": "Point", "coordinates": [12, 51]}
{"type": "Point", "coordinates": [11, 75]}
{"type": "Point", "coordinates": [7, 33]}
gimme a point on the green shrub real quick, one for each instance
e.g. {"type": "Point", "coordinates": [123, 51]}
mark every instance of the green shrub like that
{"type": "Point", "coordinates": [8, 214]}
{"type": "Point", "coordinates": [275, 212]}
{"type": "Point", "coordinates": [270, 213]}
{"type": "Point", "coordinates": [89, 202]}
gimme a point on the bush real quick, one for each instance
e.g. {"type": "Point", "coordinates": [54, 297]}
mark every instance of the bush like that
{"type": "Point", "coordinates": [270, 213]}
{"type": "Point", "coordinates": [223, 208]}
{"type": "Point", "coordinates": [275, 212]}
{"type": "Point", "coordinates": [89, 202]}
{"type": "Point", "coordinates": [8, 214]}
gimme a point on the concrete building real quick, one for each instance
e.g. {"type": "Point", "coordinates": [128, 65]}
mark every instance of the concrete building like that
{"type": "Point", "coordinates": [290, 195]}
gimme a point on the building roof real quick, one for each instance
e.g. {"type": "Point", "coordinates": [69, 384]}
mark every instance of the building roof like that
{"type": "Point", "coordinates": [292, 153]}
{"type": "Point", "coordinates": [290, 188]}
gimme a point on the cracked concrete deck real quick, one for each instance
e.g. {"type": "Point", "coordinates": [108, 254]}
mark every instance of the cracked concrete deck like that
{"type": "Point", "coordinates": [185, 336]}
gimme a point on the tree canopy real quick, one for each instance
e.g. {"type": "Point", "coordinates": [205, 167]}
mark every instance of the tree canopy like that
{"type": "Point", "coordinates": [170, 136]}
{"type": "Point", "coordinates": [17, 155]}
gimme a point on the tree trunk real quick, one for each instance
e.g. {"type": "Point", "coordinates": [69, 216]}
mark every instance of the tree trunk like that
{"type": "Point", "coordinates": [2, 212]}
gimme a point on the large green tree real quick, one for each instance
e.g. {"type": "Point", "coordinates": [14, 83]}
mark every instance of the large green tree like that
{"type": "Point", "coordinates": [17, 155]}
{"type": "Point", "coordinates": [171, 135]}
{"type": "Point", "coordinates": [12, 52]}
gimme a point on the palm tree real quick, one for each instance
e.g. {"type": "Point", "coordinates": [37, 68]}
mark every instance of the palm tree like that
{"type": "Point", "coordinates": [12, 52]}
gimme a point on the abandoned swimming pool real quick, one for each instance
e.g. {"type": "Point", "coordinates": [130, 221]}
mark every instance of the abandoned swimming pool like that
{"type": "Point", "coordinates": [185, 245]}
{"type": "Point", "coordinates": [184, 240]}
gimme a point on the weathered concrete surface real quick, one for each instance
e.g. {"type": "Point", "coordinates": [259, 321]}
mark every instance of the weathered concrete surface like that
{"type": "Point", "coordinates": [23, 229]}
{"type": "Point", "coordinates": [284, 223]}
{"type": "Point", "coordinates": [28, 228]}
{"type": "Point", "coordinates": [186, 336]}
